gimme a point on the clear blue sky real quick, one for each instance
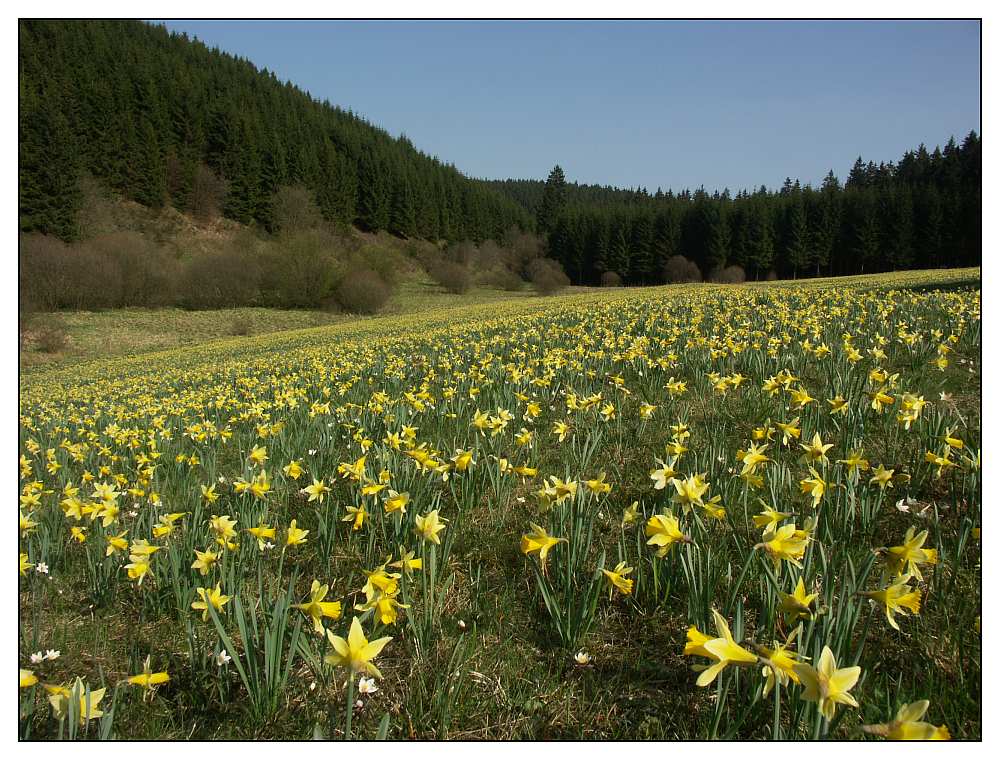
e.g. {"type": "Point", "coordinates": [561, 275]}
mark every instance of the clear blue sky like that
{"type": "Point", "coordinates": [672, 103]}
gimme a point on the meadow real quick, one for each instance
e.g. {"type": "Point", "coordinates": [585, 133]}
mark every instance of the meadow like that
{"type": "Point", "coordinates": [685, 512]}
{"type": "Point", "coordinates": [91, 335]}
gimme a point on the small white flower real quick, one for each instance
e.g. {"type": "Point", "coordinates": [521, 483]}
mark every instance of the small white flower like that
{"type": "Point", "coordinates": [312, 686]}
{"type": "Point", "coordinates": [222, 658]}
{"type": "Point", "coordinates": [133, 513]}
{"type": "Point", "coordinates": [461, 625]}
{"type": "Point", "coordinates": [582, 658]}
{"type": "Point", "coordinates": [37, 657]}
{"type": "Point", "coordinates": [367, 686]}
{"type": "Point", "coordinates": [222, 478]}
{"type": "Point", "coordinates": [312, 452]}
{"type": "Point", "coordinates": [359, 704]}
{"type": "Point", "coordinates": [520, 500]}
{"type": "Point", "coordinates": [52, 654]}
{"type": "Point", "coordinates": [42, 568]}
{"type": "Point", "coordinates": [268, 545]}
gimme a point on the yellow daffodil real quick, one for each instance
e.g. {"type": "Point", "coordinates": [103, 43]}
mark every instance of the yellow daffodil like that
{"type": "Point", "coordinates": [540, 542]}
{"type": "Point", "coordinates": [827, 685]}
{"type": "Point", "coordinates": [617, 580]}
{"type": "Point", "coordinates": [316, 609]}
{"type": "Point", "coordinates": [907, 726]}
{"type": "Point", "coordinates": [210, 596]}
{"type": "Point", "coordinates": [723, 650]}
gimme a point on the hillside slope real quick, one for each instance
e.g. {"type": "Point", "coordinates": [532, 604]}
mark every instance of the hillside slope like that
{"type": "Point", "coordinates": [162, 118]}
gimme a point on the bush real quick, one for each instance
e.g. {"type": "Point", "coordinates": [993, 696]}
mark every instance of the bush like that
{"type": "Point", "coordinates": [207, 194]}
{"type": "Point", "coordinates": [504, 279]}
{"type": "Point", "coordinates": [111, 271]}
{"type": "Point", "coordinates": [227, 278]}
{"type": "Point", "coordinates": [50, 337]}
{"type": "Point", "coordinates": [45, 275]}
{"type": "Point", "coordinates": [731, 275]}
{"type": "Point", "coordinates": [301, 269]}
{"type": "Point", "coordinates": [362, 292]}
{"type": "Point", "coordinates": [611, 280]}
{"type": "Point", "coordinates": [464, 253]}
{"type": "Point", "coordinates": [241, 325]}
{"type": "Point", "coordinates": [134, 271]}
{"type": "Point", "coordinates": [680, 269]}
{"type": "Point", "coordinates": [521, 248]}
{"type": "Point", "coordinates": [295, 210]}
{"type": "Point", "coordinates": [388, 263]}
{"type": "Point", "coordinates": [547, 276]}
{"type": "Point", "coordinates": [452, 276]}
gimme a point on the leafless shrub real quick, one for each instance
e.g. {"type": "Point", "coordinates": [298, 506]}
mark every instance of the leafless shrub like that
{"type": "Point", "coordinates": [547, 276]}
{"type": "Point", "coordinates": [611, 280]}
{"type": "Point", "coordinates": [241, 325]}
{"type": "Point", "coordinates": [50, 337]}
{"type": "Point", "coordinates": [295, 209]}
{"type": "Point", "coordinates": [501, 277]}
{"type": "Point", "coordinates": [226, 278]}
{"type": "Point", "coordinates": [452, 276]}
{"type": "Point", "coordinates": [207, 194]}
{"type": "Point", "coordinates": [680, 269]}
{"type": "Point", "coordinates": [362, 292]}
{"type": "Point", "coordinates": [731, 275]}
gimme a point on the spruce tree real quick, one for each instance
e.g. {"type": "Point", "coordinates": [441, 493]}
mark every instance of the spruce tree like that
{"type": "Point", "coordinates": [797, 237]}
{"type": "Point", "coordinates": [553, 200]}
{"type": "Point", "coordinates": [49, 191]}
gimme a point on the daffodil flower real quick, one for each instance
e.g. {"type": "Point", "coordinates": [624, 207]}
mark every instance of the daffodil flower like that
{"type": "Point", "coordinates": [907, 726]}
{"type": "Point", "coordinates": [827, 685]}
{"type": "Point", "coordinates": [356, 652]}
{"type": "Point", "coordinates": [723, 650]}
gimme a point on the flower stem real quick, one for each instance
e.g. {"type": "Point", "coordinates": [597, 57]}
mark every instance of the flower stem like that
{"type": "Point", "coordinates": [350, 707]}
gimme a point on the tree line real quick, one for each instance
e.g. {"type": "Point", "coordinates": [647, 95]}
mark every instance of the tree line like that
{"type": "Point", "coordinates": [160, 118]}
{"type": "Point", "coordinates": [924, 211]}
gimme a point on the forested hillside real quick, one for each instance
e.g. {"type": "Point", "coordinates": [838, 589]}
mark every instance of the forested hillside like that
{"type": "Point", "coordinates": [924, 211]}
{"type": "Point", "coordinates": [163, 119]}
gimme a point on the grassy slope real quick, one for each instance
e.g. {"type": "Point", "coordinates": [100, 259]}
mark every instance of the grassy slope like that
{"type": "Point", "coordinates": [101, 335]}
{"type": "Point", "coordinates": [122, 332]}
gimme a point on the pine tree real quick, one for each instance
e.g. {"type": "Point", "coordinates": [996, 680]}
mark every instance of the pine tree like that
{"type": "Point", "coordinates": [797, 237]}
{"type": "Point", "coordinates": [619, 254]}
{"type": "Point", "coordinates": [148, 176]}
{"type": "Point", "coordinates": [553, 200]}
{"type": "Point", "coordinates": [641, 262]}
{"type": "Point", "coordinates": [403, 219]}
{"type": "Point", "coordinates": [373, 193]}
{"type": "Point", "coordinates": [244, 184]}
{"type": "Point", "coordinates": [49, 191]}
{"type": "Point", "coordinates": [760, 239]}
{"type": "Point", "coordinates": [719, 239]}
